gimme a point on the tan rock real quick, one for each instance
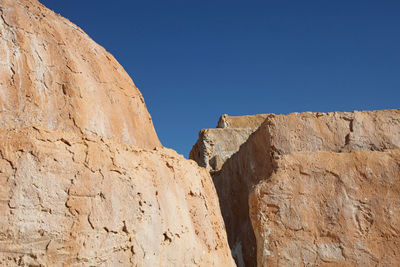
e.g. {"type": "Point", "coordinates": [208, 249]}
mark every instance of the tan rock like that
{"type": "Point", "coordinates": [264, 154]}
{"type": "Point", "coordinates": [75, 200]}
{"type": "Point", "coordinates": [215, 146]}
{"type": "Point", "coordinates": [248, 121]}
{"type": "Point", "coordinates": [209, 152]}
{"type": "Point", "coordinates": [329, 209]}
{"type": "Point", "coordinates": [54, 76]}
{"type": "Point", "coordinates": [336, 131]}
{"type": "Point", "coordinates": [84, 180]}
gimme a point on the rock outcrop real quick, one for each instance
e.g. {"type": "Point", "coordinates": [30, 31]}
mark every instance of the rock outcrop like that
{"type": "Point", "coordinates": [72, 200]}
{"type": "Point", "coordinates": [84, 180]}
{"type": "Point", "coordinates": [209, 152]}
{"type": "Point", "coordinates": [329, 209]}
{"type": "Point", "coordinates": [314, 189]}
{"type": "Point", "coordinates": [53, 75]}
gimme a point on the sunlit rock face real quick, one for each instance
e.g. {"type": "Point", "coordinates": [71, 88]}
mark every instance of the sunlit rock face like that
{"type": "Point", "coordinates": [85, 200]}
{"type": "Point", "coordinates": [312, 189]}
{"type": "Point", "coordinates": [55, 76]}
{"type": "Point", "coordinates": [329, 209]}
{"type": "Point", "coordinates": [84, 180]}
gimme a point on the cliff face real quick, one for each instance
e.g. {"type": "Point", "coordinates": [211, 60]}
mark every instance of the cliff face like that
{"type": "Point", "coordinates": [72, 200]}
{"type": "Point", "coordinates": [84, 180]}
{"type": "Point", "coordinates": [314, 188]}
{"type": "Point", "coordinates": [330, 209]}
{"type": "Point", "coordinates": [55, 76]}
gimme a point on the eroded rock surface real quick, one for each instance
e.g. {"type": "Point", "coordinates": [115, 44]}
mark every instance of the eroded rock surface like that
{"type": "Point", "coordinates": [265, 154]}
{"type": "Point", "coordinates": [84, 180]}
{"type": "Point", "coordinates": [82, 200]}
{"type": "Point", "coordinates": [329, 209]}
{"type": "Point", "coordinates": [53, 75]}
{"type": "Point", "coordinates": [211, 153]}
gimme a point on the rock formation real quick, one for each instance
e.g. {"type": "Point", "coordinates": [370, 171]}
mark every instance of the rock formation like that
{"type": "Point", "coordinates": [84, 180]}
{"type": "Point", "coordinates": [313, 189]}
{"type": "Point", "coordinates": [331, 209]}
{"type": "Point", "coordinates": [210, 152]}
{"type": "Point", "coordinates": [86, 200]}
{"type": "Point", "coordinates": [53, 75]}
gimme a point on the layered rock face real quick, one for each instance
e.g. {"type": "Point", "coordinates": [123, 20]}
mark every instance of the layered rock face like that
{"type": "Point", "coordinates": [84, 180]}
{"type": "Point", "coordinates": [315, 189]}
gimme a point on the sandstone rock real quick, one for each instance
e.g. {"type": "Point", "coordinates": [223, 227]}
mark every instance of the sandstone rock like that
{"type": "Point", "coordinates": [210, 152]}
{"type": "Point", "coordinates": [336, 131]}
{"type": "Point", "coordinates": [248, 121]}
{"type": "Point", "coordinates": [84, 180]}
{"type": "Point", "coordinates": [73, 200]}
{"type": "Point", "coordinates": [330, 209]}
{"type": "Point", "coordinates": [53, 75]}
{"type": "Point", "coordinates": [261, 154]}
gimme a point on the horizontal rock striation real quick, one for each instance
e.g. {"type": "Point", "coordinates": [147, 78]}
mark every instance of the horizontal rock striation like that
{"type": "Point", "coordinates": [257, 163]}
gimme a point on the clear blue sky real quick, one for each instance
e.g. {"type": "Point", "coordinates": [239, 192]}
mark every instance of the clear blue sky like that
{"type": "Point", "coordinates": [195, 60]}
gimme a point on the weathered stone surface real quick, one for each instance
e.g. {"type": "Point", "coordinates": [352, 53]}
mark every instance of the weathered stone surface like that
{"type": "Point", "coordinates": [74, 200]}
{"type": "Point", "coordinates": [336, 131]}
{"type": "Point", "coordinates": [329, 209]}
{"type": "Point", "coordinates": [211, 152]}
{"type": "Point", "coordinates": [53, 75]}
{"type": "Point", "coordinates": [84, 180]}
{"type": "Point", "coordinates": [248, 121]}
{"type": "Point", "coordinates": [279, 136]}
